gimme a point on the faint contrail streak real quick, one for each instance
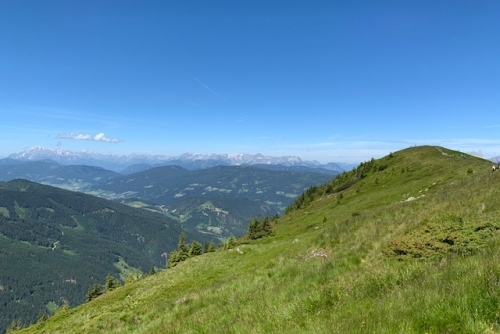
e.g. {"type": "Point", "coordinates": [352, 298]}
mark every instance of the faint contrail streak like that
{"type": "Point", "coordinates": [204, 85]}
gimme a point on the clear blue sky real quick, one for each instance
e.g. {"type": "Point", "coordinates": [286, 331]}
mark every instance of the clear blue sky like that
{"type": "Point", "coordinates": [340, 81]}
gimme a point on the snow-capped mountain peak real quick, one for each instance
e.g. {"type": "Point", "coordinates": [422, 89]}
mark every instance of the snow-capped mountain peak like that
{"type": "Point", "coordinates": [186, 160]}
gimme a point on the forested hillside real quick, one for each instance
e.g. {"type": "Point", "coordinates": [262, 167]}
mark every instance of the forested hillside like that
{"type": "Point", "coordinates": [55, 244]}
{"type": "Point", "coordinates": [73, 177]}
{"type": "Point", "coordinates": [218, 200]}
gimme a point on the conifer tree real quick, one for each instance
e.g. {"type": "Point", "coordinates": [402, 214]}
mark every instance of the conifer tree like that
{"type": "Point", "coordinates": [183, 252]}
{"type": "Point", "coordinates": [195, 249]}
{"type": "Point", "coordinates": [266, 228]}
{"type": "Point", "coordinates": [230, 242]}
{"type": "Point", "coordinates": [253, 228]}
{"type": "Point", "coordinates": [182, 248]}
{"type": "Point", "coordinates": [111, 283]}
{"type": "Point", "coordinates": [209, 247]}
{"type": "Point", "coordinates": [260, 228]}
{"type": "Point", "coordinates": [173, 259]}
{"type": "Point", "coordinates": [94, 291]}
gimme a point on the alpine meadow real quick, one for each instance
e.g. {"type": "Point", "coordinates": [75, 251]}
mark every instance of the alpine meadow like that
{"type": "Point", "coordinates": [249, 167]}
{"type": "Point", "coordinates": [408, 243]}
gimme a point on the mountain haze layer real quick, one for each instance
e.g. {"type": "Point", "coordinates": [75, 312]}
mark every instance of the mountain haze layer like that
{"type": "Point", "coordinates": [137, 162]}
{"type": "Point", "coordinates": [74, 177]}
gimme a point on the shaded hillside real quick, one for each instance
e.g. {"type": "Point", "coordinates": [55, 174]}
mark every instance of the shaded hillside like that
{"type": "Point", "coordinates": [170, 184]}
{"type": "Point", "coordinates": [219, 200]}
{"type": "Point", "coordinates": [335, 169]}
{"type": "Point", "coordinates": [347, 257]}
{"type": "Point", "coordinates": [220, 216]}
{"type": "Point", "coordinates": [73, 177]}
{"type": "Point", "coordinates": [54, 244]}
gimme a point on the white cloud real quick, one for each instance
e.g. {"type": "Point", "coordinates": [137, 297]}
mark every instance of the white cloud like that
{"type": "Point", "coordinates": [85, 136]}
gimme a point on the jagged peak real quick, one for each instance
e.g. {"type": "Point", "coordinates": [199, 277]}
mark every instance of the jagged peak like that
{"type": "Point", "coordinates": [188, 160]}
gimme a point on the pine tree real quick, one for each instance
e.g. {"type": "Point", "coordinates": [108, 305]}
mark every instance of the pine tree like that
{"type": "Point", "coordinates": [152, 271]}
{"type": "Point", "coordinates": [253, 229]}
{"type": "Point", "coordinates": [266, 228]}
{"type": "Point", "coordinates": [183, 252]}
{"type": "Point", "coordinates": [94, 291]}
{"type": "Point", "coordinates": [260, 228]}
{"type": "Point", "coordinates": [173, 259]}
{"type": "Point", "coordinates": [230, 242]}
{"type": "Point", "coordinates": [182, 248]}
{"type": "Point", "coordinates": [196, 249]}
{"type": "Point", "coordinates": [209, 247]}
{"type": "Point", "coordinates": [111, 283]}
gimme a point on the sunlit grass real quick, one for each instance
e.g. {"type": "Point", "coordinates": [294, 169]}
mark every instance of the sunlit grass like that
{"type": "Point", "coordinates": [331, 267]}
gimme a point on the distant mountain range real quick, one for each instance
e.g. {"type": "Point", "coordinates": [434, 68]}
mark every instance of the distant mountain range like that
{"type": "Point", "coordinates": [216, 194]}
{"type": "Point", "coordinates": [49, 172]}
{"type": "Point", "coordinates": [127, 164]}
{"type": "Point", "coordinates": [217, 200]}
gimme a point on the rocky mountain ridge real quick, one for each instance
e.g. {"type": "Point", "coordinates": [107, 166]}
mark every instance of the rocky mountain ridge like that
{"type": "Point", "coordinates": [138, 162]}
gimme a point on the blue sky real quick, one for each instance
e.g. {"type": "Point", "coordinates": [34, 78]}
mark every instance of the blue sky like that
{"type": "Point", "coordinates": [340, 81]}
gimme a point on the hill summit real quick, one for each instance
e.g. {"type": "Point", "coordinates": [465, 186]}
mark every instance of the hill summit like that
{"type": "Point", "coordinates": [408, 243]}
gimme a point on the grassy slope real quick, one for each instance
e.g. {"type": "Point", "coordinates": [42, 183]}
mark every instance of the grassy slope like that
{"type": "Point", "coordinates": [368, 262]}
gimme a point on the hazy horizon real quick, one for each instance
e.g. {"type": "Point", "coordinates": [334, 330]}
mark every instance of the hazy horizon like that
{"type": "Point", "coordinates": [322, 80]}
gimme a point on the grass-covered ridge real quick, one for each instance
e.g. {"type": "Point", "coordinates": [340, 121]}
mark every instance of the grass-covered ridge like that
{"type": "Point", "coordinates": [405, 244]}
